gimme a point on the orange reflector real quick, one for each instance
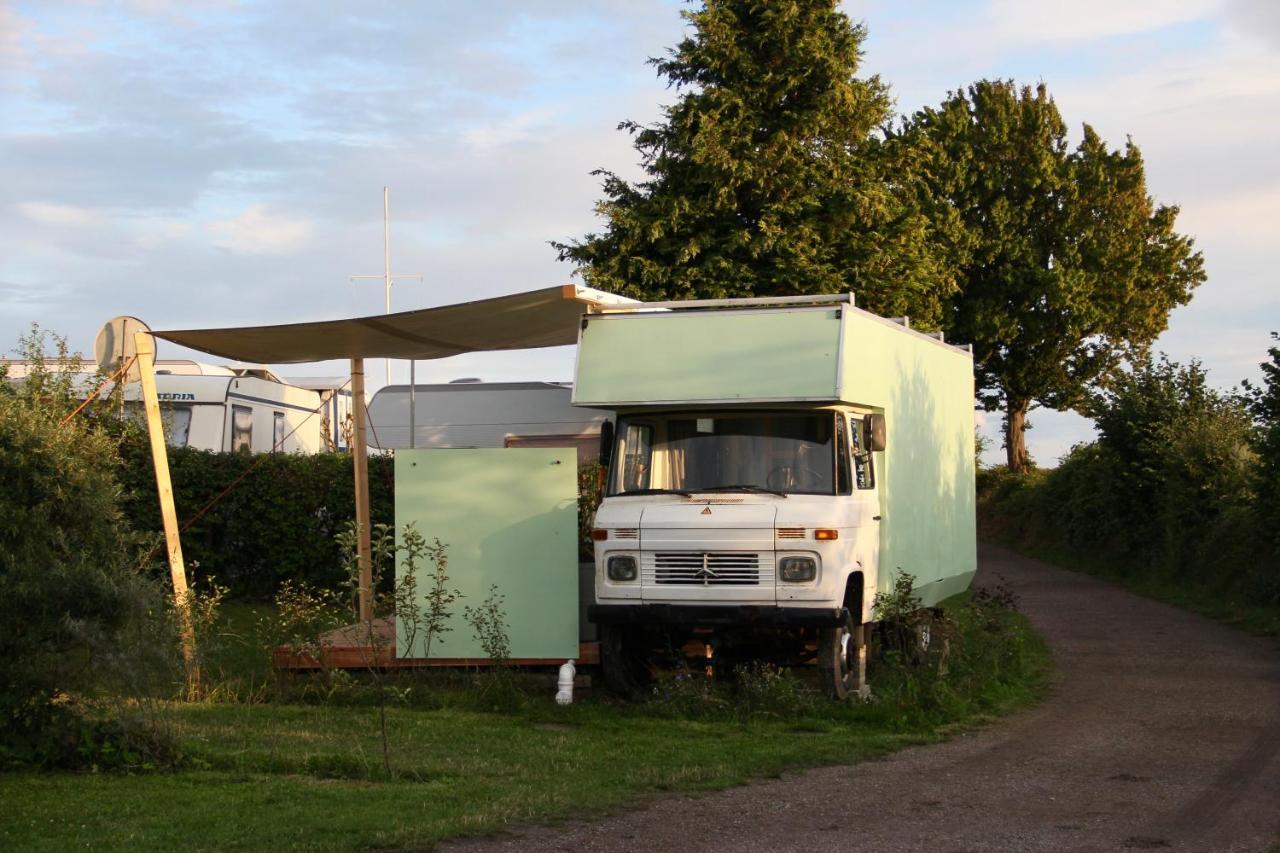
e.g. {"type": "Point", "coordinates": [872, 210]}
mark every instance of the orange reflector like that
{"type": "Point", "coordinates": [599, 535]}
{"type": "Point", "coordinates": [823, 533]}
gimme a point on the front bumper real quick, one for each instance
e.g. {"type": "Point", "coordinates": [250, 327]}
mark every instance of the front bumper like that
{"type": "Point", "coordinates": [711, 614]}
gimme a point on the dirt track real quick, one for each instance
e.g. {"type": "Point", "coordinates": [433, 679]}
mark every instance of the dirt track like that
{"type": "Point", "coordinates": [1162, 732]}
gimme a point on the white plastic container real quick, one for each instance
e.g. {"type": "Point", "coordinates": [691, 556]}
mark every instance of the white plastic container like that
{"type": "Point", "coordinates": [564, 691]}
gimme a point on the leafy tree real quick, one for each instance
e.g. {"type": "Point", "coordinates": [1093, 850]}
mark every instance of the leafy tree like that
{"type": "Point", "coordinates": [768, 176]}
{"type": "Point", "coordinates": [1065, 266]}
{"type": "Point", "coordinates": [1265, 406]}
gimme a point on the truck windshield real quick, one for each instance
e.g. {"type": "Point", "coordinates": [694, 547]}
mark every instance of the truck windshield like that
{"type": "Point", "coordinates": [786, 452]}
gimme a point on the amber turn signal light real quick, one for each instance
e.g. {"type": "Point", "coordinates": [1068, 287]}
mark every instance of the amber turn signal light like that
{"type": "Point", "coordinates": [826, 534]}
{"type": "Point", "coordinates": [599, 535]}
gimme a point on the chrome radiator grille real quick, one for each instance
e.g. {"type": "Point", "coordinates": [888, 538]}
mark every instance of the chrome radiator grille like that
{"type": "Point", "coordinates": [702, 568]}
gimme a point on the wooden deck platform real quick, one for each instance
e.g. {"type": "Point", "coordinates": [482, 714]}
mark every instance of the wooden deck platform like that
{"type": "Point", "coordinates": [348, 648]}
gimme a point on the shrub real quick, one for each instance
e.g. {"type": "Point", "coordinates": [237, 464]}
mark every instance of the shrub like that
{"type": "Point", "coordinates": [68, 595]}
{"type": "Point", "coordinates": [1170, 490]}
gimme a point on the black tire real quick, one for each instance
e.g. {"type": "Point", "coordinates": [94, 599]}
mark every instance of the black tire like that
{"type": "Point", "coordinates": [914, 640]}
{"type": "Point", "coordinates": [837, 659]}
{"type": "Point", "coordinates": [623, 660]}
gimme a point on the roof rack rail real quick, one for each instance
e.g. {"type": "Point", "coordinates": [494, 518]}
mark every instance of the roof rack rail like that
{"type": "Point", "coordinates": [753, 301]}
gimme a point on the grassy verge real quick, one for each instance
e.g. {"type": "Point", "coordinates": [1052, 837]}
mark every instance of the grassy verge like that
{"type": "Point", "coordinates": [1223, 605]}
{"type": "Point", "coordinates": [310, 776]}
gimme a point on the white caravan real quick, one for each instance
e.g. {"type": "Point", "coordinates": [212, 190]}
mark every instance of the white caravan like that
{"type": "Point", "coordinates": [471, 413]}
{"type": "Point", "coordinates": [235, 409]}
{"type": "Point", "coordinates": [250, 409]}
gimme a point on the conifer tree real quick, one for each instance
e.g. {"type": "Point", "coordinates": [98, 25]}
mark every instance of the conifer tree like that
{"type": "Point", "coordinates": [768, 175]}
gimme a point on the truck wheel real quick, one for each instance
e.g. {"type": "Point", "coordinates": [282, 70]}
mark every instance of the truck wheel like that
{"type": "Point", "coordinates": [622, 659]}
{"type": "Point", "coordinates": [837, 659]}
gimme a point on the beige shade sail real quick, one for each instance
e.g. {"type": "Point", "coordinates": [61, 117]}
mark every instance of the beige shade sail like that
{"type": "Point", "coordinates": [539, 318]}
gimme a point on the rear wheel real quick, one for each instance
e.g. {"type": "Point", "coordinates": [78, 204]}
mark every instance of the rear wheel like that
{"type": "Point", "coordinates": [838, 659]}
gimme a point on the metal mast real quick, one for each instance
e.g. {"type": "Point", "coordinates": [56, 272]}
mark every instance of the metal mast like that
{"type": "Point", "coordinates": [386, 277]}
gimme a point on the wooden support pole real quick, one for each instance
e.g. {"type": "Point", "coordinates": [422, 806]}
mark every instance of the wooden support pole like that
{"type": "Point", "coordinates": [360, 460]}
{"type": "Point", "coordinates": [146, 346]}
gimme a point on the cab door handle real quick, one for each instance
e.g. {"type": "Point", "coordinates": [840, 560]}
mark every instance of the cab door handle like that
{"type": "Point", "coordinates": [875, 518]}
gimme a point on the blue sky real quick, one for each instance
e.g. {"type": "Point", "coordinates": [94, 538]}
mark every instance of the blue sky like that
{"type": "Point", "coordinates": [221, 163]}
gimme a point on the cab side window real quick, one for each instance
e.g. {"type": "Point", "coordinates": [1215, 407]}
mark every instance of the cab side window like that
{"type": "Point", "coordinates": [864, 474]}
{"type": "Point", "coordinates": [842, 456]}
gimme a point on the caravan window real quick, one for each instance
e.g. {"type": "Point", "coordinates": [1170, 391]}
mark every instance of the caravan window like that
{"type": "Point", "coordinates": [277, 431]}
{"type": "Point", "coordinates": [178, 421]}
{"type": "Point", "coordinates": [242, 429]}
{"type": "Point", "coordinates": [175, 420]}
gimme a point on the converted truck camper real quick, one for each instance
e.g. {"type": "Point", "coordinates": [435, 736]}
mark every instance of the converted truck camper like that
{"type": "Point", "coordinates": [774, 465]}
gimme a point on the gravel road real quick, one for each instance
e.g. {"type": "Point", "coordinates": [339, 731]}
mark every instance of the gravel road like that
{"type": "Point", "coordinates": [1162, 731]}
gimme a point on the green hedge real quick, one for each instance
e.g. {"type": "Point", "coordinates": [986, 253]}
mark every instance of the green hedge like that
{"type": "Point", "coordinates": [1172, 495]}
{"type": "Point", "coordinates": [276, 524]}
{"type": "Point", "coordinates": [279, 522]}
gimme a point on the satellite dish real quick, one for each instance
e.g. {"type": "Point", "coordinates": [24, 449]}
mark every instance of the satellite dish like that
{"type": "Point", "coordinates": [115, 345]}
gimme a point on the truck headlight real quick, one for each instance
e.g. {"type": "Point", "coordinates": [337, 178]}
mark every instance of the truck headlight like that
{"type": "Point", "coordinates": [622, 568]}
{"type": "Point", "coordinates": [798, 569]}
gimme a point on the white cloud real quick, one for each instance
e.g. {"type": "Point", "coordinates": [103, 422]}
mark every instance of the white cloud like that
{"type": "Point", "coordinates": [57, 214]}
{"type": "Point", "coordinates": [14, 30]}
{"type": "Point", "coordinates": [1250, 217]}
{"type": "Point", "coordinates": [259, 231]}
{"type": "Point", "coordinates": [155, 233]}
{"type": "Point", "coordinates": [1255, 19]}
{"type": "Point", "coordinates": [1076, 20]}
{"type": "Point", "coordinates": [510, 130]}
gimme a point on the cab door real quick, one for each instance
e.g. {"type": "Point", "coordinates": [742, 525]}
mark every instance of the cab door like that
{"type": "Point", "coordinates": [865, 483]}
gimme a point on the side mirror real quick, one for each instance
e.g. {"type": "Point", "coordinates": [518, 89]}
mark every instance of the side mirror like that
{"type": "Point", "coordinates": [606, 443]}
{"type": "Point", "coordinates": [875, 432]}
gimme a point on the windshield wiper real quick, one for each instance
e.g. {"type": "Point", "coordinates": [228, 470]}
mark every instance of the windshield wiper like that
{"type": "Point", "coordinates": [745, 488]}
{"type": "Point", "coordinates": [656, 492]}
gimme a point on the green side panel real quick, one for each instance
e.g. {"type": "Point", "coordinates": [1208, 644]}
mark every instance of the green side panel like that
{"type": "Point", "coordinates": [509, 517]}
{"type": "Point", "coordinates": [683, 357]}
{"type": "Point", "coordinates": [926, 472]}
{"type": "Point", "coordinates": [941, 590]}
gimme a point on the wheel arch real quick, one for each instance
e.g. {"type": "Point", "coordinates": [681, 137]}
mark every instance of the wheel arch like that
{"type": "Point", "coordinates": [855, 595]}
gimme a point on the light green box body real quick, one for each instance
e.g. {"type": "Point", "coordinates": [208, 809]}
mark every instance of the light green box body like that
{"type": "Point", "coordinates": [814, 356]}
{"type": "Point", "coordinates": [925, 390]}
{"type": "Point", "coordinates": [509, 517]}
{"type": "Point", "coordinates": [679, 356]}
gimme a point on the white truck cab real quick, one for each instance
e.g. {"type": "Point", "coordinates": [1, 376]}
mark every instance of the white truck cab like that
{"type": "Point", "coordinates": [753, 502]}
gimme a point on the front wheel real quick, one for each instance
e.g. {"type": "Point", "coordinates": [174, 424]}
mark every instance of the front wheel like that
{"type": "Point", "coordinates": [623, 660]}
{"type": "Point", "coordinates": [840, 659]}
